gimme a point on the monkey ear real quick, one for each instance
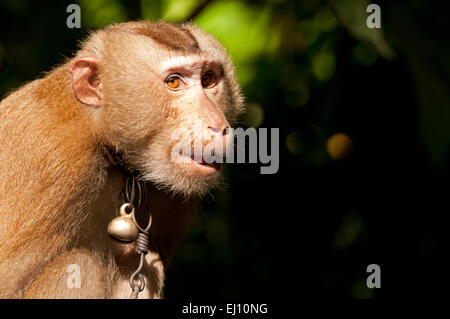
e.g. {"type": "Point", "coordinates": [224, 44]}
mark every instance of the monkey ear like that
{"type": "Point", "coordinates": [86, 82]}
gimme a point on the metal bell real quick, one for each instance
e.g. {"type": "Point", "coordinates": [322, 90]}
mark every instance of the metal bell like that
{"type": "Point", "coordinates": [123, 227]}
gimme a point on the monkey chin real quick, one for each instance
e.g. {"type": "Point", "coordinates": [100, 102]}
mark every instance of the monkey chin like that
{"type": "Point", "coordinates": [198, 176]}
{"type": "Point", "coordinates": [186, 177]}
{"type": "Point", "coordinates": [194, 180]}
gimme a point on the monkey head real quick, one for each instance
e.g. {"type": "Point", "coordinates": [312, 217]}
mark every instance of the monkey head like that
{"type": "Point", "coordinates": [163, 95]}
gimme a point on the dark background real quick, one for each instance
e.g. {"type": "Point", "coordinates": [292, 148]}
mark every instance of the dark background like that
{"type": "Point", "coordinates": [312, 69]}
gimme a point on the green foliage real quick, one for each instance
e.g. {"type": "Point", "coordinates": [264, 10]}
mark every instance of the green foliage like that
{"type": "Point", "coordinates": [353, 16]}
{"type": "Point", "coordinates": [246, 32]}
{"type": "Point", "coordinates": [151, 9]}
{"type": "Point", "coordinates": [177, 10]}
{"type": "Point", "coordinates": [100, 13]}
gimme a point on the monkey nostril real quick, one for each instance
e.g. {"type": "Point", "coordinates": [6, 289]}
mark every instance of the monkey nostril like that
{"type": "Point", "coordinates": [225, 131]}
{"type": "Point", "coordinates": [214, 129]}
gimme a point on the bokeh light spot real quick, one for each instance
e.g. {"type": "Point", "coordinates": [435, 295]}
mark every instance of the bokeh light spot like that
{"type": "Point", "coordinates": [339, 146]}
{"type": "Point", "coordinates": [254, 115]}
{"type": "Point", "coordinates": [299, 96]}
{"type": "Point", "coordinates": [293, 143]}
{"type": "Point", "coordinates": [350, 230]}
{"type": "Point", "coordinates": [323, 66]}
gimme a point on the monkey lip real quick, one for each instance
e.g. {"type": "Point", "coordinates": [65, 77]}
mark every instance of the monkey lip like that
{"type": "Point", "coordinates": [202, 167]}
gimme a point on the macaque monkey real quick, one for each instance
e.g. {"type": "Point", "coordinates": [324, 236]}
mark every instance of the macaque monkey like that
{"type": "Point", "coordinates": [124, 92]}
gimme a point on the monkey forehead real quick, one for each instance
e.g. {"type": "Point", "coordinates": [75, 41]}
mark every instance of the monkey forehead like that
{"type": "Point", "coordinates": [192, 62]}
{"type": "Point", "coordinates": [120, 46]}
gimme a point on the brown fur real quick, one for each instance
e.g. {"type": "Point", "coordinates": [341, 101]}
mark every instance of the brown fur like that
{"type": "Point", "coordinates": [58, 190]}
{"type": "Point", "coordinates": [91, 277]}
{"type": "Point", "coordinates": [166, 34]}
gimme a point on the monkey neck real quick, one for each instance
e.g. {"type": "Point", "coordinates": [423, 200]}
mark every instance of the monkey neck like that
{"type": "Point", "coordinates": [171, 214]}
{"type": "Point", "coordinates": [171, 217]}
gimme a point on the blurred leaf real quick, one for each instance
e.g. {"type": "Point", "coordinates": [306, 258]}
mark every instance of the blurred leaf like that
{"type": "Point", "coordinates": [434, 100]}
{"type": "Point", "coordinates": [364, 54]}
{"type": "Point", "coordinates": [254, 115]}
{"type": "Point", "coordinates": [351, 229]}
{"type": "Point", "coordinates": [177, 10]}
{"type": "Point", "coordinates": [323, 65]}
{"type": "Point", "coordinates": [308, 33]}
{"type": "Point", "coordinates": [151, 9]}
{"type": "Point", "coordinates": [245, 31]}
{"type": "Point", "coordinates": [353, 15]}
{"type": "Point", "coordinates": [426, 54]}
{"type": "Point", "coordinates": [361, 291]}
{"type": "Point", "coordinates": [100, 13]}
{"type": "Point", "coordinates": [324, 19]}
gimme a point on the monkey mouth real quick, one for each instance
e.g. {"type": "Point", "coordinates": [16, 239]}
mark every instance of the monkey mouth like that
{"type": "Point", "coordinates": [210, 168]}
{"type": "Point", "coordinates": [200, 166]}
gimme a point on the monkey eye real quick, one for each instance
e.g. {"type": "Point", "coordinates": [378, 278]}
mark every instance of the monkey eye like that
{"type": "Point", "coordinates": [209, 79]}
{"type": "Point", "coordinates": [173, 82]}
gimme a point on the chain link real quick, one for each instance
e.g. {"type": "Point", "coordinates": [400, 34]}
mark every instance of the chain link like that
{"type": "Point", "coordinates": [135, 194]}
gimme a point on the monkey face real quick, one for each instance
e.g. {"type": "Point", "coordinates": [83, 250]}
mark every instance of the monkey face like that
{"type": "Point", "coordinates": [187, 130]}
{"type": "Point", "coordinates": [167, 106]}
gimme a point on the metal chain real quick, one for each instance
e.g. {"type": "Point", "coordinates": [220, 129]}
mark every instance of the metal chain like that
{"type": "Point", "coordinates": [131, 186]}
{"type": "Point", "coordinates": [130, 191]}
{"type": "Point", "coordinates": [136, 289]}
